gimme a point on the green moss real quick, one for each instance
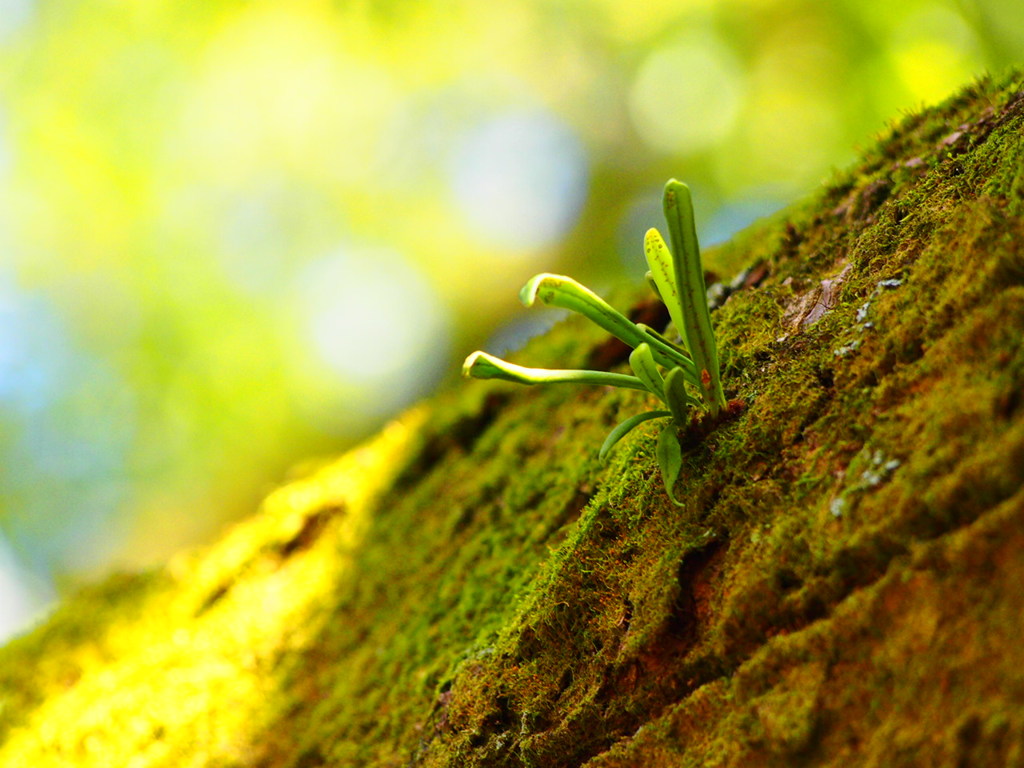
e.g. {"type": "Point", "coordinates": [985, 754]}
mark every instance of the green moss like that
{"type": "Point", "coordinates": [842, 587]}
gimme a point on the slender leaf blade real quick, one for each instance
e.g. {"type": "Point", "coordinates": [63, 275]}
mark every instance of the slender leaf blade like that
{"type": "Point", "coordinates": [624, 428]}
{"type": "Point", "coordinates": [566, 293]}
{"type": "Point", "coordinates": [689, 274]}
{"type": "Point", "coordinates": [670, 459]}
{"type": "Point", "coordinates": [659, 259]}
{"type": "Point", "coordinates": [683, 354]}
{"type": "Point", "coordinates": [481, 365]}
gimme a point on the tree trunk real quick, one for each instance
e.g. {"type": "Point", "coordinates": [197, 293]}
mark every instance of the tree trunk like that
{"type": "Point", "coordinates": [844, 585]}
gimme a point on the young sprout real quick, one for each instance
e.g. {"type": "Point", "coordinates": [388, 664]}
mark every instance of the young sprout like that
{"type": "Point", "coordinates": [682, 377]}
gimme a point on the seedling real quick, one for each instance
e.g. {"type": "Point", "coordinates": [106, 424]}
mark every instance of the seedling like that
{"type": "Point", "coordinates": [683, 377]}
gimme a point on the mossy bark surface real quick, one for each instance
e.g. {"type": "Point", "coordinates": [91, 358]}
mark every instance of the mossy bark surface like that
{"type": "Point", "coordinates": [844, 585]}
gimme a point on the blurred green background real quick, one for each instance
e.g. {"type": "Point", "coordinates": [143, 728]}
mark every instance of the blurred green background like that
{"type": "Point", "coordinates": [239, 234]}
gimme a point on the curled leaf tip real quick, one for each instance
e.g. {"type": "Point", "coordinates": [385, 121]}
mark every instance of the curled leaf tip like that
{"type": "Point", "coordinates": [528, 293]}
{"type": "Point", "coordinates": [475, 363]}
{"type": "Point", "coordinates": [651, 239]}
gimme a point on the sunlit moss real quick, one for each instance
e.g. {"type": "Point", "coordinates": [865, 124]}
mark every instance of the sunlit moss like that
{"type": "Point", "coordinates": [219, 628]}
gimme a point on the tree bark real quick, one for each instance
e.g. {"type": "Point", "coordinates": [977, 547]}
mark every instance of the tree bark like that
{"type": "Point", "coordinates": [844, 585]}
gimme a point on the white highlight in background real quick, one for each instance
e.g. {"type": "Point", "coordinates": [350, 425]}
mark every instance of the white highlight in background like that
{"type": "Point", "coordinates": [14, 15]}
{"type": "Point", "coordinates": [372, 319]}
{"type": "Point", "coordinates": [687, 95]}
{"type": "Point", "coordinates": [520, 180]}
{"type": "Point", "coordinates": [23, 600]}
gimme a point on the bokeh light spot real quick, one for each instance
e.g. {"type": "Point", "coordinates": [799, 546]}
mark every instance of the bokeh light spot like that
{"type": "Point", "coordinates": [6, 149]}
{"type": "Point", "coordinates": [32, 351]}
{"type": "Point", "coordinates": [15, 14]}
{"type": "Point", "coordinates": [933, 50]}
{"type": "Point", "coordinates": [790, 136]}
{"type": "Point", "coordinates": [520, 180]}
{"type": "Point", "coordinates": [276, 83]}
{"type": "Point", "coordinates": [25, 597]}
{"type": "Point", "coordinates": [375, 322]}
{"type": "Point", "coordinates": [687, 95]}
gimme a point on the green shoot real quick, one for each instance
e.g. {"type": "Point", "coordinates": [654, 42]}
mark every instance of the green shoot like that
{"type": "Point", "coordinates": [683, 379]}
{"type": "Point", "coordinates": [481, 365]}
{"type": "Point", "coordinates": [566, 293]}
{"type": "Point", "coordinates": [695, 320]}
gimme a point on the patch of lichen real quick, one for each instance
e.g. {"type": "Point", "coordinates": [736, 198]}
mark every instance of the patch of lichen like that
{"type": "Point", "coordinates": [475, 588]}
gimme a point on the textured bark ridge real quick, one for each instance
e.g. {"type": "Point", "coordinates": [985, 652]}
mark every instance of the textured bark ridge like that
{"type": "Point", "coordinates": [845, 585]}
